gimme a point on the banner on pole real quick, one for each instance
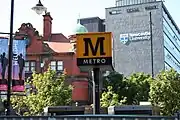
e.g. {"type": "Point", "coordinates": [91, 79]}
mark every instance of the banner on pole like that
{"type": "Point", "coordinates": [3, 64]}
{"type": "Point", "coordinates": [18, 62]}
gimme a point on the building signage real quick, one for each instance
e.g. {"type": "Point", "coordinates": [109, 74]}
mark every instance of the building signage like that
{"type": "Point", "coordinates": [125, 38]}
{"type": "Point", "coordinates": [94, 49]}
{"type": "Point", "coordinates": [151, 7]}
{"type": "Point", "coordinates": [130, 10]}
{"type": "Point", "coordinates": [114, 12]}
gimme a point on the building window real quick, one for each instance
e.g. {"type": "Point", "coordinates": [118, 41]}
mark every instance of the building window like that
{"type": "Point", "coordinates": [30, 66]}
{"type": "Point", "coordinates": [56, 65]}
{"type": "Point", "coordinates": [53, 65]}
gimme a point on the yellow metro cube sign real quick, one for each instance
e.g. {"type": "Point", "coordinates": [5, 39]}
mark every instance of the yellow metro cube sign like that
{"type": "Point", "coordinates": [94, 48]}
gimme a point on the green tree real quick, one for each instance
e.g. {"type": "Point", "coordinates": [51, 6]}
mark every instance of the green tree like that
{"type": "Point", "coordinates": [19, 104]}
{"type": "Point", "coordinates": [135, 87]}
{"type": "Point", "coordinates": [51, 91]}
{"type": "Point", "coordinates": [113, 79]}
{"type": "Point", "coordinates": [110, 98]}
{"type": "Point", "coordinates": [117, 82]}
{"type": "Point", "coordinates": [165, 92]}
{"type": "Point", "coordinates": [138, 88]}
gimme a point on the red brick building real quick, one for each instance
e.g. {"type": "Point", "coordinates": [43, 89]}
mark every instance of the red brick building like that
{"type": "Point", "coordinates": [56, 51]}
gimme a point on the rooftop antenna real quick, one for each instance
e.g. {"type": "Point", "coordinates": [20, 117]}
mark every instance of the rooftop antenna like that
{"type": "Point", "coordinates": [78, 20]}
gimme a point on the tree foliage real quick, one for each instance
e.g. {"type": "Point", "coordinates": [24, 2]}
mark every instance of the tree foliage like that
{"type": "Point", "coordinates": [114, 79]}
{"type": "Point", "coordinates": [110, 98]}
{"type": "Point", "coordinates": [50, 91]}
{"type": "Point", "coordinates": [165, 92]}
{"type": "Point", "coordinates": [135, 87]}
{"type": "Point", "coordinates": [138, 88]}
{"type": "Point", "coordinates": [118, 84]}
{"type": "Point", "coordinates": [162, 91]}
{"type": "Point", "coordinates": [19, 104]}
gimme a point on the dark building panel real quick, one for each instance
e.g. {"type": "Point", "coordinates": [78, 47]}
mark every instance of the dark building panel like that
{"type": "Point", "coordinates": [93, 24]}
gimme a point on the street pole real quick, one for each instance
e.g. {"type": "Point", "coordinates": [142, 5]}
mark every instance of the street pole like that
{"type": "Point", "coordinates": [152, 60]}
{"type": "Point", "coordinates": [10, 45]}
{"type": "Point", "coordinates": [93, 92]}
{"type": "Point", "coordinates": [96, 95]}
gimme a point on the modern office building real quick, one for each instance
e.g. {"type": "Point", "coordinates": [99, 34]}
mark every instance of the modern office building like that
{"type": "Point", "coordinates": [93, 24]}
{"type": "Point", "coordinates": [146, 38]}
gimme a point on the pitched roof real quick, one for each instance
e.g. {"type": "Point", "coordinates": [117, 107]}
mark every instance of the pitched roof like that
{"type": "Point", "coordinates": [59, 37]}
{"type": "Point", "coordinates": [60, 47]}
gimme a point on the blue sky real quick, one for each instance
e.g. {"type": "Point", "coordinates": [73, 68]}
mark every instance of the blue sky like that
{"type": "Point", "coordinates": [64, 13]}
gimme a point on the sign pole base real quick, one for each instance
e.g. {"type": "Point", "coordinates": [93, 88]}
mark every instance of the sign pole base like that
{"type": "Point", "coordinates": [96, 95]}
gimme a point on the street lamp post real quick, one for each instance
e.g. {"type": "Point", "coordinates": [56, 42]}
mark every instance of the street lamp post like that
{"type": "Point", "coordinates": [152, 60]}
{"type": "Point", "coordinates": [10, 45]}
{"type": "Point", "coordinates": [39, 8]}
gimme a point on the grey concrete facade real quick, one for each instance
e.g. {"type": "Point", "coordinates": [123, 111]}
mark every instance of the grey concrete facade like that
{"type": "Point", "coordinates": [136, 55]}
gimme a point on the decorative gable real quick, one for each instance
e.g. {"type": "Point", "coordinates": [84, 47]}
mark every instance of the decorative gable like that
{"type": "Point", "coordinates": [27, 30]}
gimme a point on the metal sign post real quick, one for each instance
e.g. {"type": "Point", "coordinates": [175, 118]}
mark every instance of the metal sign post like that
{"type": "Point", "coordinates": [94, 51]}
{"type": "Point", "coordinates": [96, 92]}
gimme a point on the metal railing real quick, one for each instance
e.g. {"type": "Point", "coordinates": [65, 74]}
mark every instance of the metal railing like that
{"type": "Point", "coordinates": [90, 117]}
{"type": "Point", "coordinates": [133, 2]}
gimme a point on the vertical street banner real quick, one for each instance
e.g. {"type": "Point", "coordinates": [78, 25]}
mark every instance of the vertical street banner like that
{"type": "Point", "coordinates": [18, 64]}
{"type": "Point", "coordinates": [3, 63]}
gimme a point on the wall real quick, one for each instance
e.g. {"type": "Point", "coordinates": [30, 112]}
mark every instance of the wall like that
{"type": "Point", "coordinates": [136, 56]}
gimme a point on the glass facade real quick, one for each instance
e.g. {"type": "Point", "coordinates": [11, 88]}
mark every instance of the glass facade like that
{"type": "Point", "coordinates": [171, 44]}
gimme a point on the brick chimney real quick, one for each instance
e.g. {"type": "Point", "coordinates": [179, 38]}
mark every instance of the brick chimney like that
{"type": "Point", "coordinates": [47, 26]}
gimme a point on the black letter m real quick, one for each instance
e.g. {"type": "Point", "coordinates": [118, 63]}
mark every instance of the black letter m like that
{"type": "Point", "coordinates": [99, 43]}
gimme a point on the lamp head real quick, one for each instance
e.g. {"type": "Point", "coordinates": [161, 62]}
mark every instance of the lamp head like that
{"type": "Point", "coordinates": [39, 8]}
